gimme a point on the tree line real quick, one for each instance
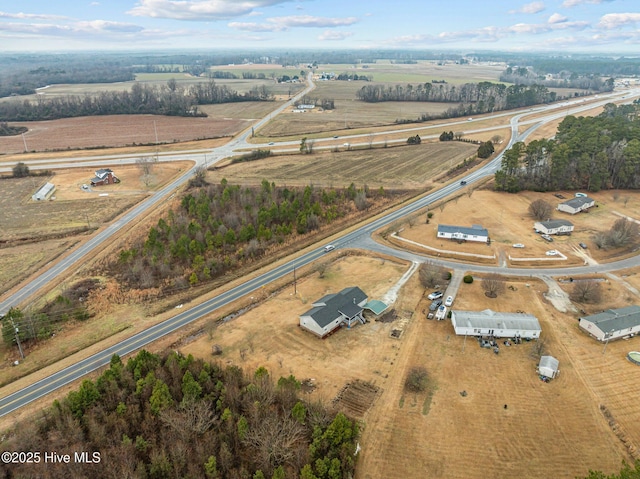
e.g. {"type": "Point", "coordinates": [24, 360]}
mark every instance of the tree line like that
{"type": "Point", "coordinates": [590, 153]}
{"type": "Point", "coordinates": [171, 415]}
{"type": "Point", "coordinates": [169, 99]}
{"type": "Point", "coordinates": [560, 79]}
{"type": "Point", "coordinates": [218, 227]}
{"type": "Point", "coordinates": [480, 97]}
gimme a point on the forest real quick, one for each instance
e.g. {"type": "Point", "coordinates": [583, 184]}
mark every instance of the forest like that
{"type": "Point", "coordinates": [480, 97]}
{"type": "Point", "coordinates": [170, 415]}
{"type": "Point", "coordinates": [170, 99]}
{"type": "Point", "coordinates": [590, 153]}
{"type": "Point", "coordinates": [220, 227]}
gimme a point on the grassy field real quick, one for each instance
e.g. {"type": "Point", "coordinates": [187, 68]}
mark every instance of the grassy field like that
{"type": "Point", "coordinates": [405, 167]}
{"type": "Point", "coordinates": [421, 72]}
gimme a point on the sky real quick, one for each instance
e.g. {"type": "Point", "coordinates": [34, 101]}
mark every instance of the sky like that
{"type": "Point", "coordinates": [557, 26]}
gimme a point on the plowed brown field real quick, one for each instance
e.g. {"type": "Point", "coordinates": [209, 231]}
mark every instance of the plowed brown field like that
{"type": "Point", "coordinates": [116, 130]}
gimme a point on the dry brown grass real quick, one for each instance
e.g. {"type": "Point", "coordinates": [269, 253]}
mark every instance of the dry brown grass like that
{"type": "Point", "coordinates": [506, 218]}
{"type": "Point", "coordinates": [406, 167]}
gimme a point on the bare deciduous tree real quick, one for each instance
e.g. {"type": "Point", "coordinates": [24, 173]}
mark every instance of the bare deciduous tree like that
{"type": "Point", "coordinates": [540, 210]}
{"type": "Point", "coordinates": [361, 201]}
{"type": "Point", "coordinates": [275, 440]}
{"type": "Point", "coordinates": [146, 165]}
{"type": "Point", "coordinates": [430, 274]}
{"type": "Point", "coordinates": [493, 285]}
{"type": "Point", "coordinates": [588, 291]}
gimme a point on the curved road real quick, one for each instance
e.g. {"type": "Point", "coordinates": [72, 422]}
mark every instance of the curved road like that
{"type": "Point", "coordinates": [360, 237]}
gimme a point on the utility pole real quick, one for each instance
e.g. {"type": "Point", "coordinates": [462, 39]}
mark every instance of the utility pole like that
{"type": "Point", "coordinates": [608, 335]}
{"type": "Point", "coordinates": [25, 143]}
{"type": "Point", "coordinates": [16, 330]}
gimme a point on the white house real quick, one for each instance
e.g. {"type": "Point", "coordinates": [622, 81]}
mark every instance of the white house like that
{"type": "Point", "coordinates": [554, 227]}
{"type": "Point", "coordinates": [332, 310]}
{"type": "Point", "coordinates": [43, 193]}
{"type": "Point", "coordinates": [613, 323]}
{"type": "Point", "coordinates": [548, 367]}
{"type": "Point", "coordinates": [576, 205]}
{"type": "Point", "coordinates": [464, 233]}
{"type": "Point", "coordinates": [497, 325]}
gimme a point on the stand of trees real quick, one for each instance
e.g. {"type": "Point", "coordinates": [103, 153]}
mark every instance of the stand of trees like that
{"type": "Point", "coordinates": [220, 226]}
{"type": "Point", "coordinates": [590, 153]}
{"type": "Point", "coordinates": [562, 79]}
{"type": "Point", "coordinates": [170, 99]}
{"type": "Point", "coordinates": [8, 130]}
{"type": "Point", "coordinates": [480, 97]}
{"type": "Point", "coordinates": [174, 416]}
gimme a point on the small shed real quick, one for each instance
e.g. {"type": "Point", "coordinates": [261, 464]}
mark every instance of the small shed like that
{"type": "Point", "coordinates": [548, 367]}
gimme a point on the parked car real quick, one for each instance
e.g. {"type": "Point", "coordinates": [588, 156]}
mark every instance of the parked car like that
{"type": "Point", "coordinates": [435, 295]}
{"type": "Point", "coordinates": [547, 238]}
{"type": "Point", "coordinates": [448, 301]}
{"type": "Point", "coordinates": [552, 252]}
{"type": "Point", "coordinates": [582, 245]}
{"type": "Point", "coordinates": [435, 304]}
{"type": "Point", "coordinates": [329, 247]}
{"type": "Point", "coordinates": [85, 187]}
{"type": "Point", "coordinates": [518, 245]}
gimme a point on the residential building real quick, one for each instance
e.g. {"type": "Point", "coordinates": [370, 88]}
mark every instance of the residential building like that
{"type": "Point", "coordinates": [463, 233]}
{"type": "Point", "coordinates": [334, 310]}
{"type": "Point", "coordinates": [554, 227]}
{"type": "Point", "coordinates": [613, 323]}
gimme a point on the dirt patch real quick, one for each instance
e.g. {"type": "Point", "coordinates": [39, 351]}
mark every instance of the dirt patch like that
{"type": "Point", "coordinates": [355, 398]}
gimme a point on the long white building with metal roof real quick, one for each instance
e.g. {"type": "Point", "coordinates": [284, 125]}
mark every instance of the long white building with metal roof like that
{"type": "Point", "coordinates": [497, 325]}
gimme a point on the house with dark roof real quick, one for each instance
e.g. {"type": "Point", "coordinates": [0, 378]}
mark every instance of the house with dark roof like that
{"type": "Point", "coordinates": [104, 176]}
{"type": "Point", "coordinates": [613, 323]}
{"type": "Point", "coordinates": [576, 205]}
{"type": "Point", "coordinates": [334, 310]}
{"type": "Point", "coordinates": [554, 227]}
{"type": "Point", "coordinates": [463, 233]}
{"type": "Point", "coordinates": [494, 324]}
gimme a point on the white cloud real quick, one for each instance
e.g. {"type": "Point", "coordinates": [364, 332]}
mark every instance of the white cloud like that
{"type": "Point", "coordinates": [199, 9]}
{"type": "Point", "coordinates": [615, 20]}
{"type": "Point", "coordinates": [333, 35]}
{"type": "Point", "coordinates": [30, 16]}
{"type": "Point", "coordinates": [575, 3]}
{"type": "Point", "coordinates": [256, 27]}
{"type": "Point", "coordinates": [530, 8]}
{"type": "Point", "coordinates": [557, 18]}
{"type": "Point", "coordinates": [279, 24]}
{"type": "Point", "coordinates": [310, 21]}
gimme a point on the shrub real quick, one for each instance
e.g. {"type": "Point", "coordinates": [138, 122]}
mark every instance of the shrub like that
{"type": "Point", "coordinates": [417, 380]}
{"type": "Point", "coordinates": [468, 279]}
